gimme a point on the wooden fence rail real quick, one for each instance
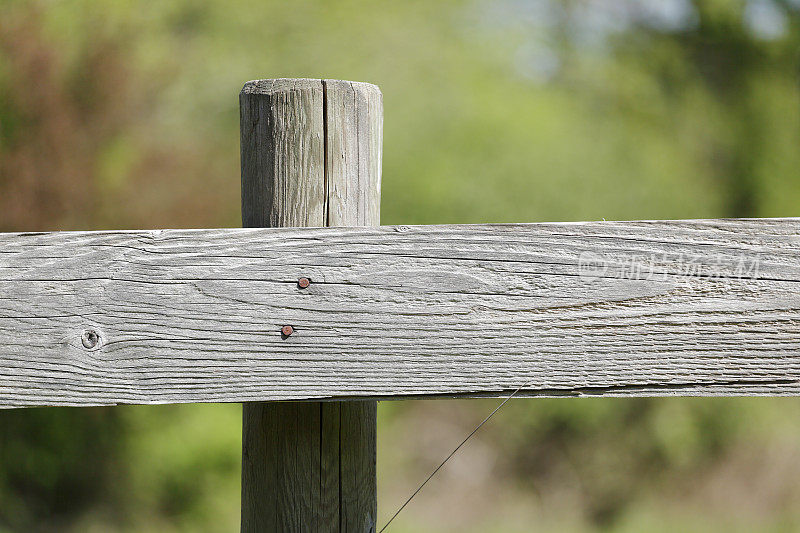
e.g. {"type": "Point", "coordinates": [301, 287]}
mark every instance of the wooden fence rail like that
{"type": "Point", "coordinates": [611, 308]}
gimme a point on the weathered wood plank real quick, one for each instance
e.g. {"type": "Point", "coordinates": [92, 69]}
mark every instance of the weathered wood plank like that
{"type": "Point", "coordinates": [614, 308]}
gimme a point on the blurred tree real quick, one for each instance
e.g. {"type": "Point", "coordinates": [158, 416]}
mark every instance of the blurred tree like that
{"type": "Point", "coordinates": [55, 120]}
{"type": "Point", "coordinates": [728, 51]}
{"type": "Point", "coordinates": [55, 464]}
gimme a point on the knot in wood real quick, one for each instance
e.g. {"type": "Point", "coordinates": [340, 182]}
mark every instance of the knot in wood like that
{"type": "Point", "coordinates": [89, 339]}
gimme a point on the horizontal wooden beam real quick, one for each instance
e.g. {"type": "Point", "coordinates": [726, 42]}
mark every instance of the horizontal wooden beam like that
{"type": "Point", "coordinates": [706, 307]}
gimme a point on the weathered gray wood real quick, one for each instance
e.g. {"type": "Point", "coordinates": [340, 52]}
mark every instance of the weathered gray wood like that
{"type": "Point", "coordinates": [354, 136]}
{"type": "Point", "coordinates": [283, 153]}
{"type": "Point", "coordinates": [354, 124]}
{"type": "Point", "coordinates": [195, 315]}
{"type": "Point", "coordinates": [311, 156]}
{"type": "Point", "coordinates": [283, 184]}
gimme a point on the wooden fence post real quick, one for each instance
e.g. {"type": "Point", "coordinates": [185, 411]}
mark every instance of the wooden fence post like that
{"type": "Point", "coordinates": [311, 156]}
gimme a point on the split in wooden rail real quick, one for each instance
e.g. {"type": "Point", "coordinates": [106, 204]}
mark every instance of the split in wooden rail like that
{"type": "Point", "coordinates": [705, 307]}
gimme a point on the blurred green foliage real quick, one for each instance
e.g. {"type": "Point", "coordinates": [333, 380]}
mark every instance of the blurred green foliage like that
{"type": "Point", "coordinates": [124, 114]}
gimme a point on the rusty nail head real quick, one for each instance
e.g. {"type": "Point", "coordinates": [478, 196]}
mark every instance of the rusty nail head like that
{"type": "Point", "coordinates": [287, 330]}
{"type": "Point", "coordinates": [303, 283]}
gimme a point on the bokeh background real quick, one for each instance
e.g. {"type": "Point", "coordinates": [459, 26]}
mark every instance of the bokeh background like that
{"type": "Point", "coordinates": [125, 115]}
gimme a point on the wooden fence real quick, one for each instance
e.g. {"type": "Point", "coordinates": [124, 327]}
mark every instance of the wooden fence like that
{"type": "Point", "coordinates": [335, 318]}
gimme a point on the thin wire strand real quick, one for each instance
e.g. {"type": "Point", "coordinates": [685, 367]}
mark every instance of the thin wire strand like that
{"type": "Point", "coordinates": [451, 455]}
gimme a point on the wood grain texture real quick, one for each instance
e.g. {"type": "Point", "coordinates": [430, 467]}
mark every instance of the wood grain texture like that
{"type": "Point", "coordinates": [195, 315]}
{"type": "Point", "coordinates": [354, 124]}
{"type": "Point", "coordinates": [311, 156]}
{"type": "Point", "coordinates": [353, 150]}
{"type": "Point", "coordinates": [283, 153]}
{"type": "Point", "coordinates": [282, 131]}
